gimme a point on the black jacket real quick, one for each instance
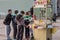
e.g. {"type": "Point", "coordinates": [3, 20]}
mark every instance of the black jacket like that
{"type": "Point", "coordinates": [8, 19]}
{"type": "Point", "coordinates": [31, 10]}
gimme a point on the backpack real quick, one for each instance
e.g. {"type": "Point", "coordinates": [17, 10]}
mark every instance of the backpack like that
{"type": "Point", "coordinates": [14, 19]}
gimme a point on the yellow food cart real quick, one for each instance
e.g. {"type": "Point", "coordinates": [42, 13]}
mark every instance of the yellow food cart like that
{"type": "Point", "coordinates": [42, 26]}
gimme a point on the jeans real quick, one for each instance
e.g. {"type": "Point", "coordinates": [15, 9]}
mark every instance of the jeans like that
{"type": "Point", "coordinates": [14, 31]}
{"type": "Point", "coordinates": [27, 32]}
{"type": "Point", "coordinates": [8, 30]}
{"type": "Point", "coordinates": [20, 32]}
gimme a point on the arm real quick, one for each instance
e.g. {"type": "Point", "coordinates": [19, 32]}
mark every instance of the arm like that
{"type": "Point", "coordinates": [17, 19]}
{"type": "Point", "coordinates": [5, 20]}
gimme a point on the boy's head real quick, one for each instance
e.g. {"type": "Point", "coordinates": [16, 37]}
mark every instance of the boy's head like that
{"type": "Point", "coordinates": [28, 13]}
{"type": "Point", "coordinates": [22, 12]}
{"type": "Point", "coordinates": [9, 11]}
{"type": "Point", "coordinates": [19, 17]}
{"type": "Point", "coordinates": [16, 12]}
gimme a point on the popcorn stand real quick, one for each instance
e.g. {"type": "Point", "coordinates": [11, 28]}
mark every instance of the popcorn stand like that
{"type": "Point", "coordinates": [42, 26]}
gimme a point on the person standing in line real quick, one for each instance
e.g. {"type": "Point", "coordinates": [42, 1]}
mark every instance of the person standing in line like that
{"type": "Point", "coordinates": [20, 23]}
{"type": "Point", "coordinates": [31, 21]}
{"type": "Point", "coordinates": [27, 19]}
{"type": "Point", "coordinates": [14, 24]}
{"type": "Point", "coordinates": [7, 22]}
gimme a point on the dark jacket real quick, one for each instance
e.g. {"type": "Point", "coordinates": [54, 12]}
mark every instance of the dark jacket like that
{"type": "Point", "coordinates": [7, 20]}
{"type": "Point", "coordinates": [20, 19]}
{"type": "Point", "coordinates": [31, 10]}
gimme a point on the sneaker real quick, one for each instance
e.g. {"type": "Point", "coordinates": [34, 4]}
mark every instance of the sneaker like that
{"type": "Point", "coordinates": [9, 38]}
{"type": "Point", "coordinates": [32, 38]}
{"type": "Point", "coordinates": [14, 39]}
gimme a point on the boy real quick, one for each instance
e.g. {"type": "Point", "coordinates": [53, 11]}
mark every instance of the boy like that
{"type": "Point", "coordinates": [14, 24]}
{"type": "Point", "coordinates": [7, 22]}
{"type": "Point", "coordinates": [27, 19]}
{"type": "Point", "coordinates": [20, 23]}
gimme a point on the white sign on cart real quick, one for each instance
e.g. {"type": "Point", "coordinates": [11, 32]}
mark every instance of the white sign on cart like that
{"type": "Point", "coordinates": [40, 3]}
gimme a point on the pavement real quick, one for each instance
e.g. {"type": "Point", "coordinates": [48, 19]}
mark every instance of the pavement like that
{"type": "Point", "coordinates": [55, 36]}
{"type": "Point", "coordinates": [3, 32]}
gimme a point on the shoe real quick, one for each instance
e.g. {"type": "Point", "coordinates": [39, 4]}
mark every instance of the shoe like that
{"type": "Point", "coordinates": [9, 38]}
{"type": "Point", "coordinates": [32, 38]}
{"type": "Point", "coordinates": [14, 39]}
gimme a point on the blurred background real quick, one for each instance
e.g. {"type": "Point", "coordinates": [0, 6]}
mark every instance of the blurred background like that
{"type": "Point", "coordinates": [14, 5]}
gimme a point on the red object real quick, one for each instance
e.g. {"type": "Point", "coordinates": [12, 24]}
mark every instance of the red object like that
{"type": "Point", "coordinates": [34, 17]}
{"type": "Point", "coordinates": [35, 26]}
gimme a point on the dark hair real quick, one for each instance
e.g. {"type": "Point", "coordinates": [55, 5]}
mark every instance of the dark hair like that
{"type": "Point", "coordinates": [9, 10]}
{"type": "Point", "coordinates": [27, 13]}
{"type": "Point", "coordinates": [18, 17]}
{"type": "Point", "coordinates": [22, 12]}
{"type": "Point", "coordinates": [16, 11]}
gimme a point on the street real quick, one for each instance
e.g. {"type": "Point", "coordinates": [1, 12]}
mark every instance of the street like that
{"type": "Point", "coordinates": [2, 31]}
{"type": "Point", "coordinates": [56, 36]}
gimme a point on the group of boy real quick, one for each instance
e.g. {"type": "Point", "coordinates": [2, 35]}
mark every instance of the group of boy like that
{"type": "Point", "coordinates": [19, 21]}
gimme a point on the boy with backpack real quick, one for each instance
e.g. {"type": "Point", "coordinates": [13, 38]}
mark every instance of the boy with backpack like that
{"type": "Point", "coordinates": [14, 24]}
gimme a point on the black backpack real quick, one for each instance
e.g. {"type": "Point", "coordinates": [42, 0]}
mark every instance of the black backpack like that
{"type": "Point", "coordinates": [27, 22]}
